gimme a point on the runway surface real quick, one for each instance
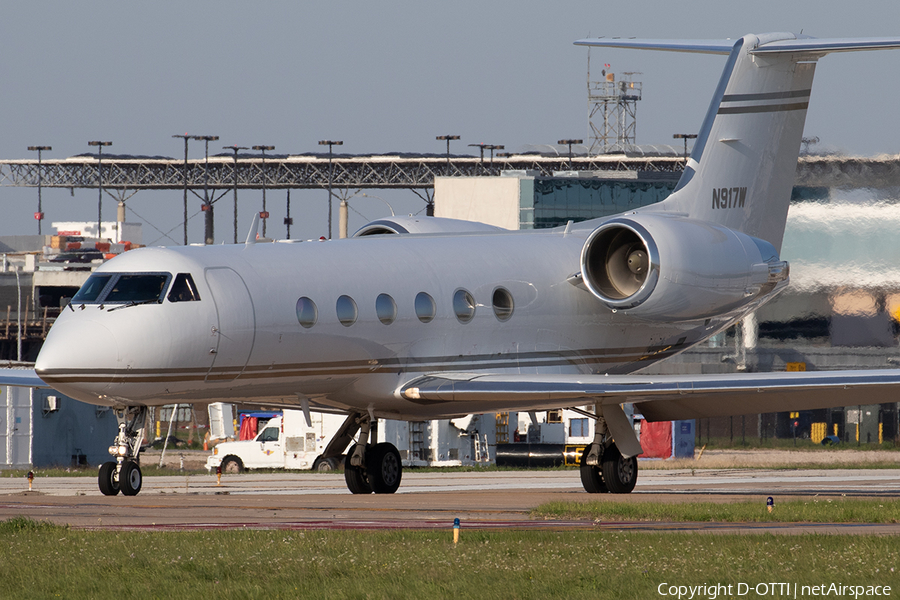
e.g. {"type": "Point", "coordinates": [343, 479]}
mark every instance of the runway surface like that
{"type": "Point", "coordinates": [489, 500]}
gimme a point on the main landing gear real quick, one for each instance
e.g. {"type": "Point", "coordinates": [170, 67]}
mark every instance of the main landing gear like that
{"type": "Point", "coordinates": [124, 473]}
{"type": "Point", "coordinates": [367, 467]}
{"type": "Point", "coordinates": [603, 468]}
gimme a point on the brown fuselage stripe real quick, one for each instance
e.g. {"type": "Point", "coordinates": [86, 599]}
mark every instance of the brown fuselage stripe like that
{"type": "Point", "coordinates": [347, 367]}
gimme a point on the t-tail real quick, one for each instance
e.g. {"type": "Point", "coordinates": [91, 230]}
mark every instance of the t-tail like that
{"type": "Point", "coordinates": [741, 171]}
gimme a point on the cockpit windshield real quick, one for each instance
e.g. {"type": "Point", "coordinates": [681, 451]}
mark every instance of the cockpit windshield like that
{"type": "Point", "coordinates": [92, 288]}
{"type": "Point", "coordinates": [137, 288]}
{"type": "Point", "coordinates": [123, 288]}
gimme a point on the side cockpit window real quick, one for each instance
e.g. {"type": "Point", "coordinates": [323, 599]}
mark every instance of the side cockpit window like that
{"type": "Point", "coordinates": [184, 290]}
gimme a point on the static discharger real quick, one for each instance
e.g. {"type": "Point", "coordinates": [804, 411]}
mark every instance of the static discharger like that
{"type": "Point", "coordinates": [770, 503]}
{"type": "Point", "coordinates": [456, 530]}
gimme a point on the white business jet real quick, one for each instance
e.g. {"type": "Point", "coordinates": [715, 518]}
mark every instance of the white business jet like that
{"type": "Point", "coordinates": [438, 318]}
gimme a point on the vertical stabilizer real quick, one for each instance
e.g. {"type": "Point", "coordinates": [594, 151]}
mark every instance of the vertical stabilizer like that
{"type": "Point", "coordinates": [742, 169]}
{"type": "Point", "coordinates": [743, 165]}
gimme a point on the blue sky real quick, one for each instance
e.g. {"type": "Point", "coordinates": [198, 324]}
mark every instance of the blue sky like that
{"type": "Point", "coordinates": [385, 77]}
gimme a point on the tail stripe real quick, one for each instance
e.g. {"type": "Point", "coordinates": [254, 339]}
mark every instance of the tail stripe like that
{"type": "Point", "coordinates": [767, 96]}
{"type": "Point", "coordinates": [762, 108]}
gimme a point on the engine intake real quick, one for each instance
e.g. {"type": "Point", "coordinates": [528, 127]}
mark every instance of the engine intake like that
{"type": "Point", "coordinates": [620, 263]}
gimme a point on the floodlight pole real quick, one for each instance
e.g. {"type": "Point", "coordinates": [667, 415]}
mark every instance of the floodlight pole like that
{"type": "Point", "coordinates": [447, 138]}
{"type": "Point", "coordinates": [235, 149]}
{"type": "Point", "coordinates": [685, 137]}
{"type": "Point", "coordinates": [569, 143]}
{"type": "Point", "coordinates": [288, 221]}
{"type": "Point", "coordinates": [39, 215]}
{"type": "Point", "coordinates": [99, 145]}
{"type": "Point", "coordinates": [493, 147]}
{"type": "Point", "coordinates": [330, 144]}
{"type": "Point", "coordinates": [209, 221]}
{"type": "Point", "coordinates": [264, 214]}
{"type": "Point", "coordinates": [185, 137]}
{"type": "Point", "coordinates": [481, 147]}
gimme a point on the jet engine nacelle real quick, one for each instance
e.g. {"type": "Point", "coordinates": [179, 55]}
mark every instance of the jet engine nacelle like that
{"type": "Point", "coordinates": [659, 267]}
{"type": "Point", "coordinates": [402, 225]}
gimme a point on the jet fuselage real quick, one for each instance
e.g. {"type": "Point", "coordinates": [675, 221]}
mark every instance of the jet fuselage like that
{"type": "Point", "coordinates": [499, 302]}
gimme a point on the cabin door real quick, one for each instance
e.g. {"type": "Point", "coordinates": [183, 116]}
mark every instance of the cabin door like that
{"type": "Point", "coordinates": [235, 329]}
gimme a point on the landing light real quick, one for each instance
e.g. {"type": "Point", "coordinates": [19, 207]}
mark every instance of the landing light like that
{"type": "Point", "coordinates": [118, 450]}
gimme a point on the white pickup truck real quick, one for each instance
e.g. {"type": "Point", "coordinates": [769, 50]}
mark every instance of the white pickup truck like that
{"type": "Point", "coordinates": [286, 442]}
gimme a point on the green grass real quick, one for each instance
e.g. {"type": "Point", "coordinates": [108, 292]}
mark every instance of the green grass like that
{"type": "Point", "coordinates": [43, 561]}
{"type": "Point", "coordinates": [829, 466]}
{"type": "Point", "coordinates": [816, 510]}
{"type": "Point", "coordinates": [91, 471]}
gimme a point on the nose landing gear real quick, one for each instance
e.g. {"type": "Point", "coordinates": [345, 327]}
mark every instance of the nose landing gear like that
{"type": "Point", "coordinates": [124, 473]}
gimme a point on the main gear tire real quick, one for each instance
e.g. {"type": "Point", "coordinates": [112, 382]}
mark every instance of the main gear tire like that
{"type": "Point", "coordinates": [107, 479]}
{"type": "Point", "coordinates": [619, 473]}
{"type": "Point", "coordinates": [384, 468]}
{"type": "Point", "coordinates": [591, 476]}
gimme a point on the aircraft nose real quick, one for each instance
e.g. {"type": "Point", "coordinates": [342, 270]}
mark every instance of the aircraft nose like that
{"type": "Point", "coordinates": [79, 358]}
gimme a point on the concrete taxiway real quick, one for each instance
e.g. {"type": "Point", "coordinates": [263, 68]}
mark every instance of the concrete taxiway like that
{"type": "Point", "coordinates": [425, 500]}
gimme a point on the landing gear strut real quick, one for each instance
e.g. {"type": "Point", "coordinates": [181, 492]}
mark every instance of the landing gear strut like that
{"type": "Point", "coordinates": [124, 473]}
{"type": "Point", "coordinates": [367, 468]}
{"type": "Point", "coordinates": [603, 468]}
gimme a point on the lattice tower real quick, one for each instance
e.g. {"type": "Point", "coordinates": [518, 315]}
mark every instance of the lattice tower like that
{"type": "Point", "coordinates": [612, 110]}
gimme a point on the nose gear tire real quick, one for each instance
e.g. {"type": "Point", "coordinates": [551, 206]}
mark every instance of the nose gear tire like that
{"type": "Point", "coordinates": [130, 479]}
{"type": "Point", "coordinates": [106, 479]}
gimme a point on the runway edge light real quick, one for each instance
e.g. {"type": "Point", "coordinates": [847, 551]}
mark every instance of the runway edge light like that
{"type": "Point", "coordinates": [770, 504]}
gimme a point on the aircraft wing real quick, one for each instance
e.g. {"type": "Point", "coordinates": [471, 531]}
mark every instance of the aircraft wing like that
{"type": "Point", "coordinates": [667, 397]}
{"type": "Point", "coordinates": [21, 378]}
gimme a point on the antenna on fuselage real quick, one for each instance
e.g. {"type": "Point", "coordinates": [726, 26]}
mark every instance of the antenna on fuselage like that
{"type": "Point", "coordinates": [254, 230]}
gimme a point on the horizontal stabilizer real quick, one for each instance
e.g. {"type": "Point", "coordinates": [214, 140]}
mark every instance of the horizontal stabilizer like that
{"type": "Point", "coordinates": [700, 46]}
{"type": "Point", "coordinates": [820, 47]}
{"type": "Point", "coordinates": [799, 45]}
